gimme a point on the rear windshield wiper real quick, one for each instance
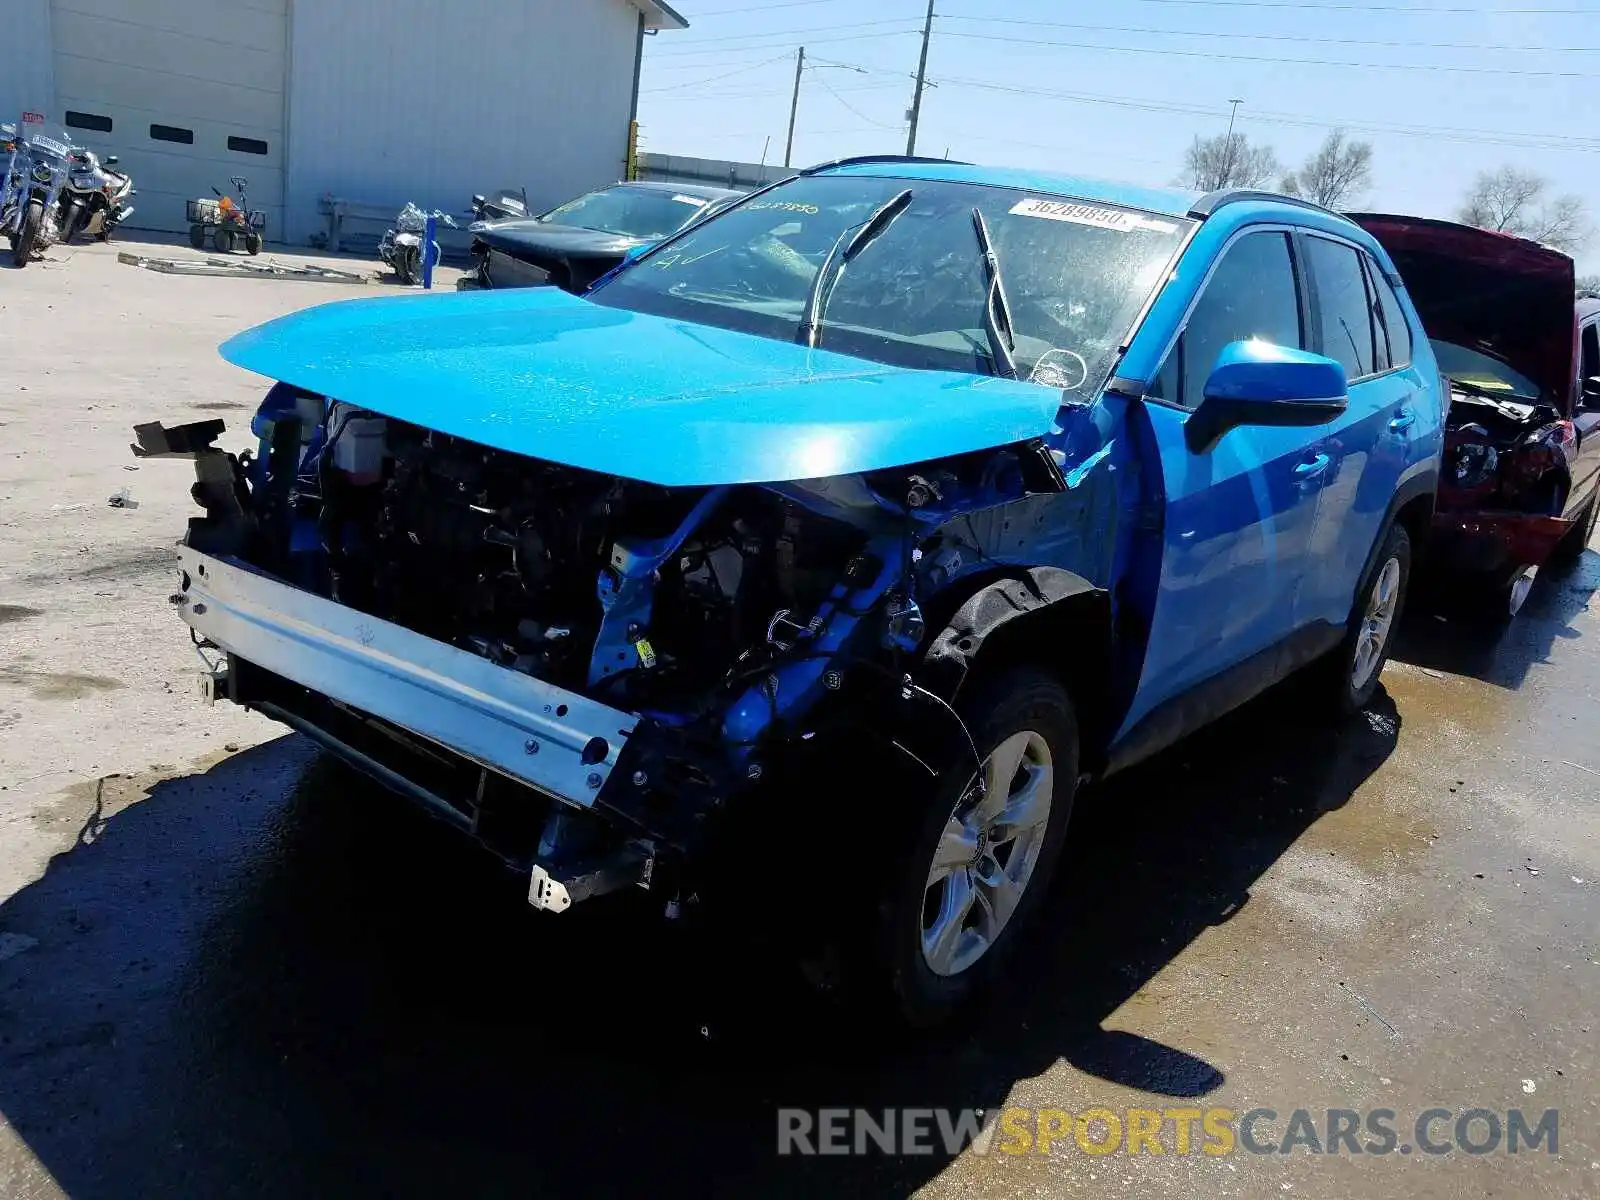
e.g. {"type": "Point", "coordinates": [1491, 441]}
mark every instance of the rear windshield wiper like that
{"type": "Point", "coordinates": [853, 242]}
{"type": "Point", "coordinates": [996, 308]}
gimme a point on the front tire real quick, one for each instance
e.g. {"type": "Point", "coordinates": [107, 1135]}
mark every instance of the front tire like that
{"type": "Point", "coordinates": [1571, 547]}
{"type": "Point", "coordinates": [223, 240]}
{"type": "Point", "coordinates": [1350, 673]}
{"type": "Point", "coordinates": [32, 219]}
{"type": "Point", "coordinates": [976, 867]}
{"type": "Point", "coordinates": [252, 244]}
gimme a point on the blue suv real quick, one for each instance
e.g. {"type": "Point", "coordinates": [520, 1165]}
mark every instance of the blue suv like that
{"type": "Point", "coordinates": [817, 554]}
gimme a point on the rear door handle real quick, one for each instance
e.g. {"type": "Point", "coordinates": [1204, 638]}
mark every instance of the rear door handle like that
{"type": "Point", "coordinates": [1402, 421]}
{"type": "Point", "coordinates": [1311, 469]}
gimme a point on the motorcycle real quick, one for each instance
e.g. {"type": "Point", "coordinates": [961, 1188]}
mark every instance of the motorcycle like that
{"type": "Point", "coordinates": [504, 203]}
{"type": "Point", "coordinates": [401, 247]}
{"type": "Point", "coordinates": [35, 170]}
{"type": "Point", "coordinates": [95, 198]}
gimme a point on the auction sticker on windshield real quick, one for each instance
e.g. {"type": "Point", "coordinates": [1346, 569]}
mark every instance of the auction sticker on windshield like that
{"type": "Point", "coordinates": [1089, 214]}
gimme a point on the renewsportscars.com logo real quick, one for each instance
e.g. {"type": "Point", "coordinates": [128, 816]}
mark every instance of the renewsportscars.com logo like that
{"type": "Point", "coordinates": [1209, 1131]}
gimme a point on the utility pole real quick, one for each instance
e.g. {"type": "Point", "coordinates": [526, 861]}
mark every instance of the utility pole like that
{"type": "Point", "coordinates": [1227, 171]}
{"type": "Point", "coordinates": [794, 105]}
{"type": "Point", "coordinates": [922, 80]}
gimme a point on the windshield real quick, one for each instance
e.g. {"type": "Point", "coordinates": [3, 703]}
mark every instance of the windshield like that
{"type": "Point", "coordinates": [1075, 275]}
{"type": "Point", "coordinates": [1476, 371]}
{"type": "Point", "coordinates": [44, 139]}
{"type": "Point", "coordinates": [629, 211]}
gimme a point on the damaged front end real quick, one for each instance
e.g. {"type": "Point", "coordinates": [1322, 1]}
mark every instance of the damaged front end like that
{"type": "Point", "coordinates": [584, 670]}
{"type": "Point", "coordinates": [1504, 489]}
{"type": "Point", "coordinates": [1499, 312]}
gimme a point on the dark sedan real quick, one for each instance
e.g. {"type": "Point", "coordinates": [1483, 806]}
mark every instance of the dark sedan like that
{"type": "Point", "coordinates": [576, 243]}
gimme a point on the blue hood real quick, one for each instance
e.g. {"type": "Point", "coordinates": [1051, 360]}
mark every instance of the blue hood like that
{"type": "Point", "coordinates": [545, 374]}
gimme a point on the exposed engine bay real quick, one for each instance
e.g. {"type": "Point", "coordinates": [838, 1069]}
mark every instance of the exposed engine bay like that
{"type": "Point", "coordinates": [529, 563]}
{"type": "Point", "coordinates": [705, 632]}
{"type": "Point", "coordinates": [1504, 454]}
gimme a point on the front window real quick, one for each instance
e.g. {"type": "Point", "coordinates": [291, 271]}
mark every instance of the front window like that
{"type": "Point", "coordinates": [1475, 371]}
{"type": "Point", "coordinates": [1075, 275]}
{"type": "Point", "coordinates": [628, 211]}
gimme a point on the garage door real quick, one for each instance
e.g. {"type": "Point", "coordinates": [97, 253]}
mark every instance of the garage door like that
{"type": "Point", "coordinates": [185, 92]}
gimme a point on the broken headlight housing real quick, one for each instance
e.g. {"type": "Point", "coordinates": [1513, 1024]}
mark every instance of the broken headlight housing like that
{"type": "Point", "coordinates": [1475, 461]}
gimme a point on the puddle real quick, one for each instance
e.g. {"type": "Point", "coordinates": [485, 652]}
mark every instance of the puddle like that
{"type": "Point", "coordinates": [49, 685]}
{"type": "Point", "coordinates": [18, 612]}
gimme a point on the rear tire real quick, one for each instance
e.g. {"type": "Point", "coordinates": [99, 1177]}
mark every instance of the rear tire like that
{"type": "Point", "coordinates": [1348, 676]}
{"type": "Point", "coordinates": [945, 930]}
{"type": "Point", "coordinates": [32, 219]}
{"type": "Point", "coordinates": [197, 236]}
{"type": "Point", "coordinates": [71, 222]}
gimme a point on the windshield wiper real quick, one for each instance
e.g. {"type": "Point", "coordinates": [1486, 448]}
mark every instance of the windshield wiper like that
{"type": "Point", "coordinates": [996, 308]}
{"type": "Point", "coordinates": [853, 241]}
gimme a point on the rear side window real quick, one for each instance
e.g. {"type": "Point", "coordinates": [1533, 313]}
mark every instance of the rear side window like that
{"type": "Point", "coordinates": [1591, 352]}
{"type": "Point", "coordinates": [1251, 294]}
{"type": "Point", "coordinates": [1345, 317]}
{"type": "Point", "coordinates": [1394, 319]}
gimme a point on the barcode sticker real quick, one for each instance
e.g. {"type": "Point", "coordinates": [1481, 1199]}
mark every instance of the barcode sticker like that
{"type": "Point", "coordinates": [1090, 214]}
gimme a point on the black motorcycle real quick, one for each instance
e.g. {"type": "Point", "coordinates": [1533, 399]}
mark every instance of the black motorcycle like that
{"type": "Point", "coordinates": [504, 203]}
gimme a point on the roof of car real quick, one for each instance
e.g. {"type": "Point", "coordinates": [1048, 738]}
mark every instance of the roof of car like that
{"type": "Point", "coordinates": [698, 190]}
{"type": "Point", "coordinates": [1588, 306]}
{"type": "Point", "coordinates": [1172, 202]}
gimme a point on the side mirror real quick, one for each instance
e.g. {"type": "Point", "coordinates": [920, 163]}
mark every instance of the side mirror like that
{"type": "Point", "coordinates": [1257, 383]}
{"type": "Point", "coordinates": [478, 201]}
{"type": "Point", "coordinates": [1591, 392]}
{"type": "Point", "coordinates": [111, 160]}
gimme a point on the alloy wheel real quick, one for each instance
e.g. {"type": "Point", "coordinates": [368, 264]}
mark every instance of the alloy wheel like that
{"type": "Point", "coordinates": [985, 857]}
{"type": "Point", "coordinates": [1376, 624]}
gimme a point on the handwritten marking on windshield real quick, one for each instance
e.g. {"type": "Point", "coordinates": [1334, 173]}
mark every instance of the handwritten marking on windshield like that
{"type": "Point", "coordinates": [793, 206]}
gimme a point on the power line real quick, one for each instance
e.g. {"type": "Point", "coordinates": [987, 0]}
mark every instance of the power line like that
{"type": "Point", "coordinates": [1440, 133]}
{"type": "Point", "coordinates": [1262, 58]}
{"type": "Point", "coordinates": [1383, 8]}
{"type": "Point", "coordinates": [779, 33]}
{"type": "Point", "coordinates": [769, 94]}
{"type": "Point", "coordinates": [725, 75]}
{"type": "Point", "coordinates": [1273, 37]}
{"type": "Point", "coordinates": [746, 9]}
{"type": "Point", "coordinates": [828, 87]}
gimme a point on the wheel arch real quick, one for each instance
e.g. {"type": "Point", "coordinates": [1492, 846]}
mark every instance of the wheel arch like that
{"type": "Point", "coordinates": [1040, 616]}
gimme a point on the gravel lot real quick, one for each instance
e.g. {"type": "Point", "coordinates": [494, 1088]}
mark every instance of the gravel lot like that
{"type": "Point", "coordinates": [228, 968]}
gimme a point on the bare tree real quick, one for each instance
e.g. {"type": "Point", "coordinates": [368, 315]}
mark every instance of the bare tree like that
{"type": "Point", "coordinates": [1339, 173]}
{"type": "Point", "coordinates": [1227, 160]}
{"type": "Point", "coordinates": [1588, 285]}
{"type": "Point", "coordinates": [1519, 202]}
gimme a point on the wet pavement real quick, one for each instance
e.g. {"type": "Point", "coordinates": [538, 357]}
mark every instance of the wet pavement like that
{"type": "Point", "coordinates": [245, 972]}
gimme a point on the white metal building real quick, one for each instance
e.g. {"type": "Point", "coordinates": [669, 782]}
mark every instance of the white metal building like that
{"type": "Point", "coordinates": [372, 101]}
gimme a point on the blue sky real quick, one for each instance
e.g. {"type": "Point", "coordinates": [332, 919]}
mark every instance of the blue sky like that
{"type": "Point", "coordinates": [1442, 88]}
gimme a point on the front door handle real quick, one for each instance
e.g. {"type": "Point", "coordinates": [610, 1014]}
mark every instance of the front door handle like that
{"type": "Point", "coordinates": [1403, 420]}
{"type": "Point", "coordinates": [1311, 469]}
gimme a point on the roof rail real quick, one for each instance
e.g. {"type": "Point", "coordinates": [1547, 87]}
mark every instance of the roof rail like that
{"type": "Point", "coordinates": [860, 159]}
{"type": "Point", "coordinates": [1211, 201]}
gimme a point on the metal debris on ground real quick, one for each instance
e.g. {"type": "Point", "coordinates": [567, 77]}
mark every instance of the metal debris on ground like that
{"type": "Point", "coordinates": [240, 269]}
{"type": "Point", "coordinates": [122, 498]}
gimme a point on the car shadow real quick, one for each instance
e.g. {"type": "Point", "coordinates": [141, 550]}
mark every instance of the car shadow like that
{"type": "Point", "coordinates": [270, 978]}
{"type": "Point", "coordinates": [1442, 631]}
